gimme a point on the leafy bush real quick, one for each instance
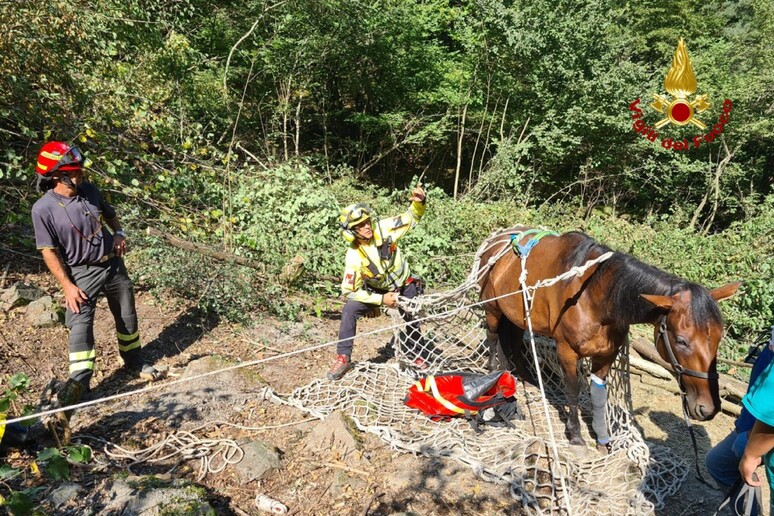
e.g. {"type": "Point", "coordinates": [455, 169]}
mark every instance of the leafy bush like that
{"type": "Point", "coordinates": [283, 212]}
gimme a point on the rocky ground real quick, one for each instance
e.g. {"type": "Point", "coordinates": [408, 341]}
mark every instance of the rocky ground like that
{"type": "Point", "coordinates": [312, 467]}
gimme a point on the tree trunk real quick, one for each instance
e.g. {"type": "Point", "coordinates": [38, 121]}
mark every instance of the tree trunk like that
{"type": "Point", "coordinates": [298, 125]}
{"type": "Point", "coordinates": [713, 189]}
{"type": "Point", "coordinates": [486, 139]}
{"type": "Point", "coordinates": [480, 131]}
{"type": "Point", "coordinates": [460, 136]}
{"type": "Point", "coordinates": [502, 121]}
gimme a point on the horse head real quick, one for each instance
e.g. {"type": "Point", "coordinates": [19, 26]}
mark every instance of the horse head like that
{"type": "Point", "coordinates": [687, 335]}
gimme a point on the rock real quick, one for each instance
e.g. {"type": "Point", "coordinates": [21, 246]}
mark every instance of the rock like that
{"type": "Point", "coordinates": [64, 493]}
{"type": "Point", "coordinates": [345, 484]}
{"type": "Point", "coordinates": [334, 437]}
{"type": "Point", "coordinates": [19, 294]}
{"type": "Point", "coordinates": [41, 312]}
{"type": "Point", "coordinates": [151, 496]}
{"type": "Point", "coordinates": [261, 460]}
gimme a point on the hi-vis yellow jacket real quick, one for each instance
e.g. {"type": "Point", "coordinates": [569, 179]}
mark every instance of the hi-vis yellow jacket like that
{"type": "Point", "coordinates": [378, 267]}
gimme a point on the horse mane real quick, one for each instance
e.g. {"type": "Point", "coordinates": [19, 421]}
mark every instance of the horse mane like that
{"type": "Point", "coordinates": [630, 277]}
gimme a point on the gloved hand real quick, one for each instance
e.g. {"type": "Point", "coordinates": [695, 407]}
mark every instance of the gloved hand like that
{"type": "Point", "coordinates": [418, 194]}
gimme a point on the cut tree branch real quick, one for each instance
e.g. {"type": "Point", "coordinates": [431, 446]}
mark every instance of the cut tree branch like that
{"type": "Point", "coordinates": [205, 250]}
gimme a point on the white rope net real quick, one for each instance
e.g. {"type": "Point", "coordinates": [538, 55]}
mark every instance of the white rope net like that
{"type": "Point", "coordinates": [634, 479]}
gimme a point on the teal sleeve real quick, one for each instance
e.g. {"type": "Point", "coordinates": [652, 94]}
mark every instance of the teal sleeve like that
{"type": "Point", "coordinates": [759, 400]}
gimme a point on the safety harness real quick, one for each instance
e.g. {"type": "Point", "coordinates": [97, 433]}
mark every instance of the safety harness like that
{"type": "Point", "coordinates": [537, 234]}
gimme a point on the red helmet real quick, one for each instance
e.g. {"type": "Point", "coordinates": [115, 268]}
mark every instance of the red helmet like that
{"type": "Point", "coordinates": [55, 156]}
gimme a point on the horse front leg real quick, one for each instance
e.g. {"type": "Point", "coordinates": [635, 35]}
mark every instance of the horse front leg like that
{"type": "Point", "coordinates": [600, 366]}
{"type": "Point", "coordinates": [568, 359]}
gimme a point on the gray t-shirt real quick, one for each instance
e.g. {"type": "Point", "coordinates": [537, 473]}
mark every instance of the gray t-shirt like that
{"type": "Point", "coordinates": [73, 226]}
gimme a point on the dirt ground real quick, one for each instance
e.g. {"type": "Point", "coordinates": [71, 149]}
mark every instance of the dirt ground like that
{"type": "Point", "coordinates": [175, 334]}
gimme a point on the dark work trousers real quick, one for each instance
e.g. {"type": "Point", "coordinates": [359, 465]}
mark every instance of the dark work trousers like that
{"type": "Point", "coordinates": [111, 279]}
{"type": "Point", "coordinates": [354, 310]}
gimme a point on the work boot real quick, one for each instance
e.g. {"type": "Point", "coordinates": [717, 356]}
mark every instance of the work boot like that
{"type": "Point", "coordinates": [340, 366]}
{"type": "Point", "coordinates": [150, 373]}
{"type": "Point", "coordinates": [145, 371]}
{"type": "Point", "coordinates": [71, 393]}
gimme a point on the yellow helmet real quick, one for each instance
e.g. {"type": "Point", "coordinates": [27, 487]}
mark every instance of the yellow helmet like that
{"type": "Point", "coordinates": [353, 215]}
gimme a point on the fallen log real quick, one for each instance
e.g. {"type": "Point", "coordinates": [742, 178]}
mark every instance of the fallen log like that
{"type": "Point", "coordinates": [205, 250]}
{"type": "Point", "coordinates": [735, 363]}
{"type": "Point", "coordinates": [650, 368]}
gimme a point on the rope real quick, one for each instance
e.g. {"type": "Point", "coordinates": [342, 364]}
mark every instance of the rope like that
{"type": "Point", "coordinates": [183, 445]}
{"type": "Point", "coordinates": [556, 464]}
{"type": "Point", "coordinates": [574, 271]}
{"type": "Point", "coordinates": [187, 446]}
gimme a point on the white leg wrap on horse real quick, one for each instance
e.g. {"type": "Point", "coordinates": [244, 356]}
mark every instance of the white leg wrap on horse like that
{"type": "Point", "coordinates": [599, 406]}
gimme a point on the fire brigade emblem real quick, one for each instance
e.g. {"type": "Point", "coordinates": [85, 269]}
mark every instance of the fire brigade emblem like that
{"type": "Point", "coordinates": [680, 82]}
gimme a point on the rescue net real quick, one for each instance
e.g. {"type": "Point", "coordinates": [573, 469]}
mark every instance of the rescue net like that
{"type": "Point", "coordinates": [546, 474]}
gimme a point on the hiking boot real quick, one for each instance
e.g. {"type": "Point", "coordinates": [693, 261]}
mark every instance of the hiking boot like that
{"type": "Point", "coordinates": [340, 366]}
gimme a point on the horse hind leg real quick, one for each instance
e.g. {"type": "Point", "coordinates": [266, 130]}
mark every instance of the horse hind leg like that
{"type": "Point", "coordinates": [498, 361]}
{"type": "Point", "coordinates": [512, 343]}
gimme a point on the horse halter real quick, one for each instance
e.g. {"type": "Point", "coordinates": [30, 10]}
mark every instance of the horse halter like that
{"type": "Point", "coordinates": [676, 366]}
{"type": "Point", "coordinates": [679, 372]}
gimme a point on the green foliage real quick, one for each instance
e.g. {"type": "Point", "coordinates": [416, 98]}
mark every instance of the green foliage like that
{"type": "Point", "coordinates": [57, 462]}
{"type": "Point", "coordinates": [17, 384]}
{"type": "Point", "coordinates": [245, 127]}
{"type": "Point", "coordinates": [286, 211]}
{"type": "Point", "coordinates": [7, 472]}
{"type": "Point", "coordinates": [145, 86]}
{"type": "Point", "coordinates": [79, 454]}
{"type": "Point", "coordinates": [18, 502]}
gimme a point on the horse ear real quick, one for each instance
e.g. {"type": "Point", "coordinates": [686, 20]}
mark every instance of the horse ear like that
{"type": "Point", "coordinates": [664, 302]}
{"type": "Point", "coordinates": [726, 291]}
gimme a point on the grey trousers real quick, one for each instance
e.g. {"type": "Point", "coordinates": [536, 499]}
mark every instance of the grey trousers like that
{"type": "Point", "coordinates": [111, 280]}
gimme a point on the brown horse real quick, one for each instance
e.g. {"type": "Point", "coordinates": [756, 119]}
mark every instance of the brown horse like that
{"type": "Point", "coordinates": [589, 316]}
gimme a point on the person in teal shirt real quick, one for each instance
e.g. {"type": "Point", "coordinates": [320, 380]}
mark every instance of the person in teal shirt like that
{"type": "Point", "coordinates": [760, 443]}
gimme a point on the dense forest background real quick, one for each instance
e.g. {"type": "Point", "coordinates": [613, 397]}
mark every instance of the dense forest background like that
{"type": "Point", "coordinates": [245, 125]}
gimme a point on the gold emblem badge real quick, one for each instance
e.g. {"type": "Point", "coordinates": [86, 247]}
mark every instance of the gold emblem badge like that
{"type": "Point", "coordinates": [680, 82]}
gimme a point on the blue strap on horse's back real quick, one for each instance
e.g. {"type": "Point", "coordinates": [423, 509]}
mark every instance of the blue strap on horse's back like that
{"type": "Point", "coordinates": [537, 234]}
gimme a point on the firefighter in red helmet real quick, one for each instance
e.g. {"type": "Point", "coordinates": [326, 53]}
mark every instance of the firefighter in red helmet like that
{"type": "Point", "coordinates": [85, 258]}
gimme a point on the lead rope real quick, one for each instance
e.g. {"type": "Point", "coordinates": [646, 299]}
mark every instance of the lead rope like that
{"type": "Point", "coordinates": [679, 370]}
{"type": "Point", "coordinates": [748, 494]}
{"type": "Point", "coordinates": [556, 468]}
{"type": "Point", "coordinates": [699, 476]}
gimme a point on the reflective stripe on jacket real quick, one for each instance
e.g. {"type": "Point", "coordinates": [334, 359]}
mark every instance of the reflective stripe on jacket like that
{"type": "Point", "coordinates": [378, 267]}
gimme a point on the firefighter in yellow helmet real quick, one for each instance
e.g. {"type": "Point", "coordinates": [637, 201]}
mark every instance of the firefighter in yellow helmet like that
{"type": "Point", "coordinates": [375, 272]}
